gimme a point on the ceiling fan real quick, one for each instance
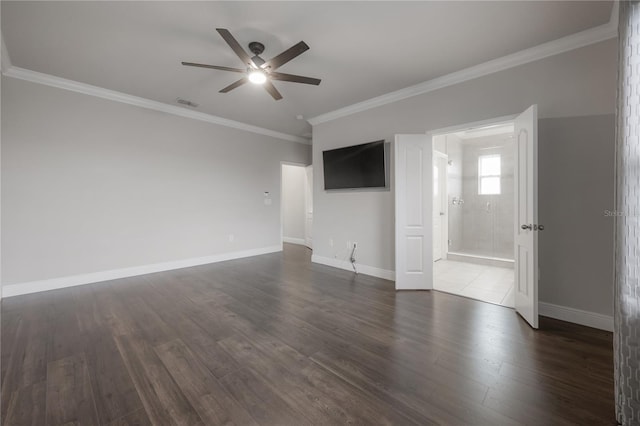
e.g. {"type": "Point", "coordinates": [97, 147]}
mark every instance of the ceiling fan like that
{"type": "Point", "coordinates": [259, 71]}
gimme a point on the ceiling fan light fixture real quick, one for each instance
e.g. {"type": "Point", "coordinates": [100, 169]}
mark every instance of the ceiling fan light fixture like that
{"type": "Point", "coordinates": [257, 76]}
{"type": "Point", "coordinates": [258, 71]}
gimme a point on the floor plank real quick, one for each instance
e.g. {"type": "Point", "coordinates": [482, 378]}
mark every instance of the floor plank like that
{"type": "Point", "coordinates": [27, 406]}
{"type": "Point", "coordinates": [212, 402]}
{"type": "Point", "coordinates": [163, 400]}
{"type": "Point", "coordinates": [114, 392]}
{"type": "Point", "coordinates": [301, 382]}
{"type": "Point", "coordinates": [136, 418]}
{"type": "Point", "coordinates": [69, 396]}
{"type": "Point", "coordinates": [262, 402]}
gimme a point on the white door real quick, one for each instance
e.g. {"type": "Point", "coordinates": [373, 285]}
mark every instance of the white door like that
{"type": "Point", "coordinates": [308, 207]}
{"type": "Point", "coordinates": [526, 223]}
{"type": "Point", "coordinates": [413, 209]}
{"type": "Point", "coordinates": [439, 204]}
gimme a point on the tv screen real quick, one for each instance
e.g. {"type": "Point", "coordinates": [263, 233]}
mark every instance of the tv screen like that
{"type": "Point", "coordinates": [358, 166]}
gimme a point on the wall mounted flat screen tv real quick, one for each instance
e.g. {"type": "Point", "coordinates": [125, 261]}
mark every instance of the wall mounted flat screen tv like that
{"type": "Point", "coordinates": [357, 166]}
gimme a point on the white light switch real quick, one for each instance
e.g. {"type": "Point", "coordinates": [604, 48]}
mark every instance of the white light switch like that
{"type": "Point", "coordinates": [267, 201]}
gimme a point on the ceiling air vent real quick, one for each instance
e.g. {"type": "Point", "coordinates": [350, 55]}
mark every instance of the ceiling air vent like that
{"type": "Point", "coordinates": [187, 103]}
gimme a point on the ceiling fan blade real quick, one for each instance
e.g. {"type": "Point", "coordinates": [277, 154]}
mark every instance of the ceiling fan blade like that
{"type": "Point", "coordinates": [269, 87]}
{"type": "Point", "coordinates": [235, 46]}
{"type": "Point", "coordinates": [215, 67]}
{"type": "Point", "coordinates": [294, 78]}
{"type": "Point", "coordinates": [286, 56]}
{"type": "Point", "coordinates": [232, 86]}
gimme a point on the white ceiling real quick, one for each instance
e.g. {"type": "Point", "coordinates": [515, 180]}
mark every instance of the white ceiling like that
{"type": "Point", "coordinates": [358, 49]}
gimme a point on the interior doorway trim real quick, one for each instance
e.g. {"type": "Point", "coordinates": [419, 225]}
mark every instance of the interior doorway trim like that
{"type": "Point", "coordinates": [444, 206]}
{"type": "Point", "coordinates": [282, 239]}
{"type": "Point", "coordinates": [466, 126]}
{"type": "Point", "coordinates": [479, 260]}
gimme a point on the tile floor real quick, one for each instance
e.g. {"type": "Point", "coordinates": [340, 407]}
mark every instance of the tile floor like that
{"type": "Point", "coordinates": [487, 283]}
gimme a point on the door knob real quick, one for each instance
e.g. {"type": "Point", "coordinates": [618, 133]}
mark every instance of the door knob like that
{"type": "Point", "coordinates": [540, 227]}
{"type": "Point", "coordinates": [529, 227]}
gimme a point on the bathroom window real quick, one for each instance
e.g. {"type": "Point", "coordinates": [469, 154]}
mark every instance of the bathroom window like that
{"type": "Point", "coordinates": [489, 174]}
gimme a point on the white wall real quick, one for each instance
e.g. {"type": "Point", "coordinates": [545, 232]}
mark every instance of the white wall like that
{"type": "Point", "coordinates": [575, 185]}
{"type": "Point", "coordinates": [91, 185]}
{"type": "Point", "coordinates": [293, 199]}
{"type": "Point", "coordinates": [577, 83]}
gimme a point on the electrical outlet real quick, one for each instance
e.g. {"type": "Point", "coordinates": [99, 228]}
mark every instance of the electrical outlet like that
{"type": "Point", "coordinates": [330, 242]}
{"type": "Point", "coordinates": [231, 238]}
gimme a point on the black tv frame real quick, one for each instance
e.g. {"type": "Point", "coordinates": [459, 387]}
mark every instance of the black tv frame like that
{"type": "Point", "coordinates": [347, 150]}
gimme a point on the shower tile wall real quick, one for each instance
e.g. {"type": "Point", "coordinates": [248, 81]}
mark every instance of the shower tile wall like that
{"type": "Point", "coordinates": [483, 225]}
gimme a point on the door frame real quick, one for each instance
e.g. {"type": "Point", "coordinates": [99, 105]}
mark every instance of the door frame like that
{"type": "Point", "coordinates": [308, 206]}
{"type": "Point", "coordinates": [444, 246]}
{"type": "Point", "coordinates": [467, 126]}
{"type": "Point", "coordinates": [470, 125]}
{"type": "Point", "coordinates": [286, 163]}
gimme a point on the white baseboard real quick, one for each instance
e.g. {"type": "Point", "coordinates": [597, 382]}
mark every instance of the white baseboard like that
{"type": "Point", "coordinates": [292, 240]}
{"type": "Point", "coordinates": [564, 313]}
{"type": "Point", "coordinates": [362, 269]}
{"type": "Point", "coordinates": [576, 316]}
{"type": "Point", "coordinates": [94, 277]}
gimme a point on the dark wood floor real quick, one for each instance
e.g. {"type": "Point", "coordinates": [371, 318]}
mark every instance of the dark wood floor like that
{"type": "Point", "coordinates": [277, 340]}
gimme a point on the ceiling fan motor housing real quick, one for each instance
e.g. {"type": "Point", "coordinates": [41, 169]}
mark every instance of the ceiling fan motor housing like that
{"type": "Point", "coordinates": [256, 47]}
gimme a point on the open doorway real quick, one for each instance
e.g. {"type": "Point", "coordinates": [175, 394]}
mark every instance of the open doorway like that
{"type": "Point", "coordinates": [473, 213]}
{"type": "Point", "coordinates": [414, 213]}
{"type": "Point", "coordinates": [297, 204]}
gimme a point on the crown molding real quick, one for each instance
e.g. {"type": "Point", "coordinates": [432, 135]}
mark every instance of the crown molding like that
{"type": "Point", "coordinates": [615, 14]}
{"type": "Point", "coordinates": [87, 89]}
{"type": "Point", "coordinates": [574, 41]}
{"type": "Point", "coordinates": [5, 63]}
